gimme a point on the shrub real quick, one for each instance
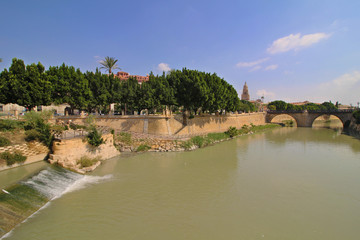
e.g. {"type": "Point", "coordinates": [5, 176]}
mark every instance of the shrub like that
{"type": "Point", "coordinates": [12, 158]}
{"type": "Point", "coordinates": [356, 115]}
{"type": "Point", "coordinates": [4, 141]}
{"type": "Point", "coordinates": [213, 137]}
{"type": "Point", "coordinates": [37, 122]}
{"type": "Point", "coordinates": [198, 141]}
{"type": "Point", "coordinates": [186, 144]}
{"type": "Point", "coordinates": [87, 162]}
{"type": "Point", "coordinates": [31, 135]}
{"type": "Point", "coordinates": [232, 132]}
{"type": "Point", "coordinates": [57, 129]}
{"type": "Point", "coordinates": [10, 125]}
{"type": "Point", "coordinates": [124, 137]}
{"type": "Point", "coordinates": [143, 148]}
{"type": "Point", "coordinates": [94, 137]}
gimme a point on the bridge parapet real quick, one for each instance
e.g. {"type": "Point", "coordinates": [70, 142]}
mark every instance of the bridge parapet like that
{"type": "Point", "coordinates": [306, 118]}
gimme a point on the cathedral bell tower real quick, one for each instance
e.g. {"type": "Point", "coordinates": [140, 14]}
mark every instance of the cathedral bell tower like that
{"type": "Point", "coordinates": [245, 94]}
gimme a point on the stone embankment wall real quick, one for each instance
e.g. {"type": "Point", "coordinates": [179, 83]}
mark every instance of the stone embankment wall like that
{"type": "Point", "coordinates": [34, 151]}
{"type": "Point", "coordinates": [67, 152]}
{"type": "Point", "coordinates": [354, 128]}
{"type": "Point", "coordinates": [172, 125]}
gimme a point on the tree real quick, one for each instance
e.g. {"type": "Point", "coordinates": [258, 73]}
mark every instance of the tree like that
{"type": "Point", "coordinates": [25, 85]}
{"type": "Point", "coordinates": [69, 86]}
{"type": "Point", "coordinates": [279, 105]}
{"type": "Point", "coordinates": [109, 64]}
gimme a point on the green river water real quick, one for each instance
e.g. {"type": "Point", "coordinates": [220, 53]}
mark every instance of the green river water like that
{"type": "Point", "coordinates": [289, 183]}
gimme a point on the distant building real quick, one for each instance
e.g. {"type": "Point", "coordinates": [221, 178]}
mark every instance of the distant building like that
{"type": "Point", "coordinates": [245, 94]}
{"type": "Point", "coordinates": [125, 76]}
{"type": "Point", "coordinates": [303, 103]}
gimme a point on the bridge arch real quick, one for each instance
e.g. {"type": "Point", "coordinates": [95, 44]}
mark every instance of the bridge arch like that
{"type": "Point", "coordinates": [306, 119]}
{"type": "Point", "coordinates": [327, 121]}
{"type": "Point", "coordinates": [282, 119]}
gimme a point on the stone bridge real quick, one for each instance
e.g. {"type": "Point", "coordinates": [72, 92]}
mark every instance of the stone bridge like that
{"type": "Point", "coordinates": [306, 118]}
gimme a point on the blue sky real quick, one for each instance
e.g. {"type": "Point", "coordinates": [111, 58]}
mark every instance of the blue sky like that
{"type": "Point", "coordinates": [288, 50]}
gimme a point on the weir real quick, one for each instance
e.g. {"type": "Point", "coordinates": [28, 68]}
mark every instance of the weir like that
{"type": "Point", "coordinates": [24, 198]}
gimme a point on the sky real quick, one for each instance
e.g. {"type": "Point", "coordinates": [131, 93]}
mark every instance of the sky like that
{"type": "Point", "coordinates": [287, 50]}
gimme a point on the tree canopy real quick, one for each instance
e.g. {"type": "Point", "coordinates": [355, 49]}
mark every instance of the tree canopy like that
{"type": "Point", "coordinates": [187, 90]}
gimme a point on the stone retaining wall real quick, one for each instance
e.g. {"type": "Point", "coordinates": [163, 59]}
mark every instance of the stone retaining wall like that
{"type": "Point", "coordinates": [66, 152]}
{"type": "Point", "coordinates": [172, 125]}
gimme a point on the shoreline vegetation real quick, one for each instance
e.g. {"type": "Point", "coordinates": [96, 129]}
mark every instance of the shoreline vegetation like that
{"type": "Point", "coordinates": [125, 142]}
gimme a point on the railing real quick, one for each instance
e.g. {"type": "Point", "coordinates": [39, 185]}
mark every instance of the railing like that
{"type": "Point", "coordinates": [312, 111]}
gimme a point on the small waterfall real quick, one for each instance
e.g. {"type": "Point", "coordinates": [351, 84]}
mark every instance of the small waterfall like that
{"type": "Point", "coordinates": [52, 182]}
{"type": "Point", "coordinates": [23, 199]}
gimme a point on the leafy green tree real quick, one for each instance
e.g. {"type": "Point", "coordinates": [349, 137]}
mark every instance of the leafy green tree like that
{"type": "Point", "coordinates": [129, 100]}
{"type": "Point", "coordinates": [279, 105]}
{"type": "Point", "coordinates": [109, 64]}
{"type": "Point", "coordinates": [69, 86]}
{"type": "Point", "coordinates": [25, 85]}
{"type": "Point", "coordinates": [328, 106]}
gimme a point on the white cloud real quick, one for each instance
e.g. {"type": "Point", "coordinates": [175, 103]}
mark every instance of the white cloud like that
{"type": "Point", "coordinates": [164, 67]}
{"type": "Point", "coordinates": [251, 64]}
{"type": "Point", "coordinates": [271, 67]}
{"type": "Point", "coordinates": [295, 42]}
{"type": "Point", "coordinates": [266, 94]}
{"type": "Point", "coordinates": [344, 89]}
{"type": "Point", "coordinates": [347, 80]}
{"type": "Point", "coordinates": [255, 68]}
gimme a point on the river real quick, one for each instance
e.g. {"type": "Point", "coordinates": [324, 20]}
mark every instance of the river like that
{"type": "Point", "coordinates": [289, 183]}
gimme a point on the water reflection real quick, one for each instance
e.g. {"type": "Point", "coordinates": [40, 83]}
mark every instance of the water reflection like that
{"type": "Point", "coordinates": [334, 137]}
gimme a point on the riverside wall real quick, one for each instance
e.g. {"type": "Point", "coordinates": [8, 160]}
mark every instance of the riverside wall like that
{"type": "Point", "coordinates": [67, 152]}
{"type": "Point", "coordinates": [173, 125]}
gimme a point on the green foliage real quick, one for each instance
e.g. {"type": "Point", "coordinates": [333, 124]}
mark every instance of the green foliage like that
{"type": "Point", "coordinates": [143, 148]}
{"type": "Point", "coordinates": [278, 105]}
{"type": "Point", "coordinates": [26, 86]}
{"type": "Point", "coordinates": [185, 89]}
{"type": "Point", "coordinates": [12, 158]}
{"type": "Point", "coordinates": [74, 126]}
{"type": "Point", "coordinates": [37, 127]}
{"type": "Point", "coordinates": [57, 129]}
{"type": "Point", "coordinates": [186, 144]}
{"type": "Point", "coordinates": [124, 137]}
{"type": "Point", "coordinates": [32, 134]}
{"type": "Point", "coordinates": [94, 137]}
{"type": "Point", "coordinates": [246, 106]}
{"type": "Point", "coordinates": [4, 141]}
{"type": "Point", "coordinates": [232, 132]}
{"type": "Point", "coordinates": [288, 123]}
{"type": "Point", "coordinates": [214, 137]}
{"type": "Point", "coordinates": [109, 63]}
{"type": "Point", "coordinates": [198, 141]}
{"type": "Point", "coordinates": [87, 162]}
{"type": "Point", "coordinates": [10, 125]}
{"type": "Point", "coordinates": [356, 115]}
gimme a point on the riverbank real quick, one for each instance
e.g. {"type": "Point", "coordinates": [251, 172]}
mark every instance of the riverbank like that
{"type": "Point", "coordinates": [127, 142]}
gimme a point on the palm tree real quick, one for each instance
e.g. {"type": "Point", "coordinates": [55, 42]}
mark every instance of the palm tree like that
{"type": "Point", "coordinates": [109, 64]}
{"type": "Point", "coordinates": [0, 59]}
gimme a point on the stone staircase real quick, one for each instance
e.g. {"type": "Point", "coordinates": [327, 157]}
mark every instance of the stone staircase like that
{"type": "Point", "coordinates": [27, 149]}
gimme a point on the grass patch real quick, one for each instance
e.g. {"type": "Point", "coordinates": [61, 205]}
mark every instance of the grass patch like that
{"type": "Point", "coordinates": [143, 148]}
{"type": "Point", "coordinates": [4, 141]}
{"type": "Point", "coordinates": [10, 125]}
{"type": "Point", "coordinates": [215, 137]}
{"type": "Point", "coordinates": [124, 137]}
{"type": "Point", "coordinates": [87, 162]}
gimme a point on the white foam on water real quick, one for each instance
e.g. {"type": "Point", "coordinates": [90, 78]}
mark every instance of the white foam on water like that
{"type": "Point", "coordinates": [85, 182]}
{"type": "Point", "coordinates": [55, 183]}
